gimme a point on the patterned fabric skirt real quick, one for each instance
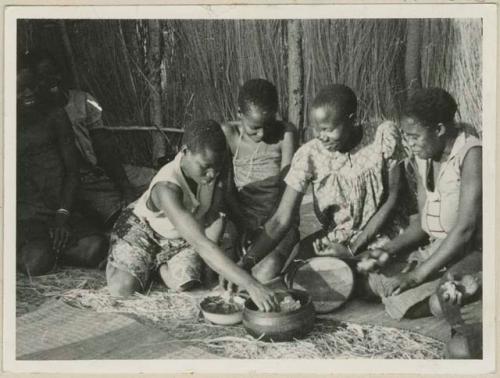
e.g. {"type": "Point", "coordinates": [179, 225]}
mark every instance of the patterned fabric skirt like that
{"type": "Point", "coordinates": [137, 249]}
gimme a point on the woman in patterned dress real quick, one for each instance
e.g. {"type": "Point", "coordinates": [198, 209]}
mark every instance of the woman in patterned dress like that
{"type": "Point", "coordinates": [355, 177]}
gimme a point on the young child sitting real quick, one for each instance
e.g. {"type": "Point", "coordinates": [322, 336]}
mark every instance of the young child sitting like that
{"type": "Point", "coordinates": [177, 221]}
{"type": "Point", "coordinates": [262, 149]}
{"type": "Point", "coordinates": [355, 178]}
{"type": "Point", "coordinates": [449, 195]}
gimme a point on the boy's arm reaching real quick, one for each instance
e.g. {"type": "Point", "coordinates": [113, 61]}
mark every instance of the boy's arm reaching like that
{"type": "Point", "coordinates": [168, 197]}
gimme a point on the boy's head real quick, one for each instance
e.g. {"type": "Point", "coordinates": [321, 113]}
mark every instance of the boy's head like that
{"type": "Point", "coordinates": [257, 107]}
{"type": "Point", "coordinates": [427, 118]}
{"type": "Point", "coordinates": [333, 115]}
{"type": "Point", "coordinates": [205, 150]}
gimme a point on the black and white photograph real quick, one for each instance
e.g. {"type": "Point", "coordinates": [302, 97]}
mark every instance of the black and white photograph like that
{"type": "Point", "coordinates": [266, 188]}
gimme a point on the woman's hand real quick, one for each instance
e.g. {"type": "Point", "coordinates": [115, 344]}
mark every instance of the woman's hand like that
{"type": "Point", "coordinates": [264, 298]}
{"type": "Point", "coordinates": [456, 291]}
{"type": "Point", "coordinates": [372, 260]}
{"type": "Point", "coordinates": [325, 247]}
{"type": "Point", "coordinates": [405, 281]}
{"type": "Point", "coordinates": [472, 313]}
{"type": "Point", "coordinates": [60, 232]}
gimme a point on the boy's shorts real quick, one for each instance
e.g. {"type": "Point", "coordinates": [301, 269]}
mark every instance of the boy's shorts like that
{"type": "Point", "coordinates": [137, 249]}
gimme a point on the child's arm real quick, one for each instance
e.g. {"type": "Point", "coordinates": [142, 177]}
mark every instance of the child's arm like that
{"type": "Point", "coordinates": [168, 197]}
{"type": "Point", "coordinates": [214, 219]}
{"type": "Point", "coordinates": [288, 147]}
{"type": "Point", "coordinates": [275, 228]}
{"type": "Point", "coordinates": [379, 219]}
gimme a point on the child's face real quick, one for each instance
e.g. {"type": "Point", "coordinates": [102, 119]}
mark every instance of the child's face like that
{"type": "Point", "coordinates": [255, 122]}
{"type": "Point", "coordinates": [423, 141]}
{"type": "Point", "coordinates": [332, 127]}
{"type": "Point", "coordinates": [203, 167]}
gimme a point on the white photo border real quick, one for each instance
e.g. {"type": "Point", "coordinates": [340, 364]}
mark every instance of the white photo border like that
{"type": "Point", "coordinates": [488, 14]}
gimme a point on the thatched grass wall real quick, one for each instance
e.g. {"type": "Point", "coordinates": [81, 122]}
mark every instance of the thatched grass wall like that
{"type": "Point", "coordinates": [204, 62]}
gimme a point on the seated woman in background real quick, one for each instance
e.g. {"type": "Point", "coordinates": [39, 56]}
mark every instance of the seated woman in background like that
{"type": "Point", "coordinates": [176, 224]}
{"type": "Point", "coordinates": [48, 230]}
{"type": "Point", "coordinates": [450, 204]}
{"type": "Point", "coordinates": [262, 148]}
{"type": "Point", "coordinates": [355, 177]}
{"type": "Point", "coordinates": [107, 186]}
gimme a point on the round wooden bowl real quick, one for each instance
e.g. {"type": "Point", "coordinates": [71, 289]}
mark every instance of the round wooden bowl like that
{"type": "Point", "coordinates": [280, 326]}
{"type": "Point", "coordinates": [218, 318]}
{"type": "Point", "coordinates": [329, 280]}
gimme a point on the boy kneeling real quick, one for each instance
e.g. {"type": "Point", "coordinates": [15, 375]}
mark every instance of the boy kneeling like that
{"type": "Point", "coordinates": [172, 226]}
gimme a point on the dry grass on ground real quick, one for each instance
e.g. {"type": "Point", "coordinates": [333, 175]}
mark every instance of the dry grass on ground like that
{"type": "Point", "coordinates": [178, 315]}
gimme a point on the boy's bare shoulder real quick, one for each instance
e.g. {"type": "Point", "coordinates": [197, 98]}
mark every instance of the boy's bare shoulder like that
{"type": "Point", "coordinates": [231, 130]}
{"type": "Point", "coordinates": [230, 126]}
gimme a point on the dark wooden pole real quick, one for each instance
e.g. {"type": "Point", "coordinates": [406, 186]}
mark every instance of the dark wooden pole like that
{"type": "Point", "coordinates": [154, 77]}
{"type": "Point", "coordinates": [413, 56]}
{"type": "Point", "coordinates": [69, 53]}
{"type": "Point", "coordinates": [295, 75]}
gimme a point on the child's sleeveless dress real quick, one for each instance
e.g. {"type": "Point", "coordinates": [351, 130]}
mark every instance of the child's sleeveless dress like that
{"type": "Point", "coordinates": [257, 179]}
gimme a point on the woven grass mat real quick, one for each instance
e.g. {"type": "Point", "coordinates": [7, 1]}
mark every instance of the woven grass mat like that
{"type": "Point", "coordinates": [176, 318]}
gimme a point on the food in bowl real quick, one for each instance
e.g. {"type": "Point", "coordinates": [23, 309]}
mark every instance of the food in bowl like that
{"type": "Point", "coordinates": [222, 310]}
{"type": "Point", "coordinates": [280, 325]}
{"type": "Point", "coordinates": [219, 305]}
{"type": "Point", "coordinates": [288, 304]}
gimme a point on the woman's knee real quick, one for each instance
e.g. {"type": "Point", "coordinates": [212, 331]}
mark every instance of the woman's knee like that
{"type": "Point", "coordinates": [458, 348]}
{"type": "Point", "coordinates": [37, 258]}
{"type": "Point", "coordinates": [121, 283]}
{"type": "Point", "coordinates": [269, 267]}
{"type": "Point", "coordinates": [435, 306]}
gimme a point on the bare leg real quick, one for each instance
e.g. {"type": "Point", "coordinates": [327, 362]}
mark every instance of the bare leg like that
{"type": "Point", "coordinates": [183, 271]}
{"type": "Point", "coordinates": [121, 283]}
{"type": "Point", "coordinates": [274, 263]}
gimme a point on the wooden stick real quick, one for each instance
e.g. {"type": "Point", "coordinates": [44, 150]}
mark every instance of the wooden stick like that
{"type": "Point", "coordinates": [143, 128]}
{"type": "Point", "coordinates": [154, 77]}
{"type": "Point", "coordinates": [413, 56]}
{"type": "Point", "coordinates": [295, 75]}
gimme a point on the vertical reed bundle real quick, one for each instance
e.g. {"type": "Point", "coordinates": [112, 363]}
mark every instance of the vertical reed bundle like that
{"type": "Point", "coordinates": [451, 59]}
{"type": "Point", "coordinates": [205, 61]}
{"type": "Point", "coordinates": [366, 55]}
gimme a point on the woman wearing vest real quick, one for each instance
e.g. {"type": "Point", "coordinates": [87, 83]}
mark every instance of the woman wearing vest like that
{"type": "Point", "coordinates": [448, 227]}
{"type": "Point", "coordinates": [176, 224]}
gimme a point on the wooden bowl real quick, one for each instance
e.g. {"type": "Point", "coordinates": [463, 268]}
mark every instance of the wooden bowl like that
{"type": "Point", "coordinates": [220, 318]}
{"type": "Point", "coordinates": [280, 326]}
{"type": "Point", "coordinates": [329, 280]}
